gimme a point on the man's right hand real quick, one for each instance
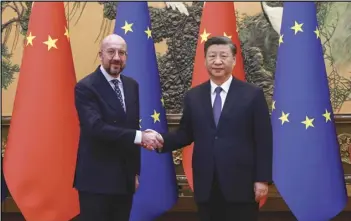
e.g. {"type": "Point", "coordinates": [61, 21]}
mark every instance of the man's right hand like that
{"type": "Point", "coordinates": [151, 140]}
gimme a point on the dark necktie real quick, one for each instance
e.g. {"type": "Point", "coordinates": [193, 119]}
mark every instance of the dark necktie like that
{"type": "Point", "coordinates": [118, 92]}
{"type": "Point", "coordinates": [217, 105]}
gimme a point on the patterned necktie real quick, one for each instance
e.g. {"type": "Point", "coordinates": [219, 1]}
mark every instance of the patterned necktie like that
{"type": "Point", "coordinates": [118, 92]}
{"type": "Point", "coordinates": [217, 105]}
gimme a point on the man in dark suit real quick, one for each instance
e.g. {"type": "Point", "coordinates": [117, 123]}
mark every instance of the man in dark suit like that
{"type": "Point", "coordinates": [228, 121]}
{"type": "Point", "coordinates": [108, 161]}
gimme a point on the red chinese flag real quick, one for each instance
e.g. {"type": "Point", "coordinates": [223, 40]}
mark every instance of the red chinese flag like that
{"type": "Point", "coordinates": [223, 24]}
{"type": "Point", "coordinates": [40, 158]}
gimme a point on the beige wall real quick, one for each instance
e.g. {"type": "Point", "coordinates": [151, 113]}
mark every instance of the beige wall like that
{"type": "Point", "coordinates": [83, 36]}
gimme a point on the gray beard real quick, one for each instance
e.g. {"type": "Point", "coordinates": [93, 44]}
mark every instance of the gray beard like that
{"type": "Point", "coordinates": [114, 74]}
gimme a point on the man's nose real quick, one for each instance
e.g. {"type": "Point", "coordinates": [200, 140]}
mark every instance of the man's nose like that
{"type": "Point", "coordinates": [116, 56]}
{"type": "Point", "coordinates": [218, 60]}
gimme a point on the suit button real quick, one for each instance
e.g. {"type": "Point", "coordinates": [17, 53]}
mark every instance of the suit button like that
{"type": "Point", "coordinates": [216, 137]}
{"type": "Point", "coordinates": [114, 121]}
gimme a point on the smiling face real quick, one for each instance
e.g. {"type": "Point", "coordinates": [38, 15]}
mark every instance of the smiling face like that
{"type": "Point", "coordinates": [113, 54]}
{"type": "Point", "coordinates": [220, 61]}
{"type": "Point", "coordinates": [220, 58]}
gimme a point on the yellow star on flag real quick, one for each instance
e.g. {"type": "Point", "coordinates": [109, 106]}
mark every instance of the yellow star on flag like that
{"type": "Point", "coordinates": [284, 117]}
{"type": "Point", "coordinates": [30, 38]}
{"type": "Point", "coordinates": [228, 36]}
{"type": "Point", "coordinates": [281, 39]}
{"type": "Point", "coordinates": [297, 27]}
{"type": "Point", "coordinates": [51, 43]}
{"type": "Point", "coordinates": [66, 33]}
{"type": "Point", "coordinates": [148, 32]}
{"type": "Point", "coordinates": [316, 32]}
{"type": "Point", "coordinates": [327, 116]}
{"type": "Point", "coordinates": [127, 27]}
{"type": "Point", "coordinates": [273, 105]}
{"type": "Point", "coordinates": [204, 36]}
{"type": "Point", "coordinates": [156, 116]}
{"type": "Point", "coordinates": [163, 102]}
{"type": "Point", "coordinates": [308, 122]}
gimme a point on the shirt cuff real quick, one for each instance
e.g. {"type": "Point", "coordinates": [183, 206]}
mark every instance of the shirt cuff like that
{"type": "Point", "coordinates": [138, 137]}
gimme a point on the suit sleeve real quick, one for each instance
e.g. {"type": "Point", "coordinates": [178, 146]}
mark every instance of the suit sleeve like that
{"type": "Point", "coordinates": [183, 136]}
{"type": "Point", "coordinates": [137, 150]}
{"type": "Point", "coordinates": [263, 139]}
{"type": "Point", "coordinates": [92, 122]}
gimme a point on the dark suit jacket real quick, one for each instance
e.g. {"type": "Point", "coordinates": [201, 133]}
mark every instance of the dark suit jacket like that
{"type": "Point", "coordinates": [108, 159]}
{"type": "Point", "coordinates": [239, 148]}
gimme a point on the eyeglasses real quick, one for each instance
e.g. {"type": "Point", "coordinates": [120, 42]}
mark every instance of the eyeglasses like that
{"type": "Point", "coordinates": [112, 52]}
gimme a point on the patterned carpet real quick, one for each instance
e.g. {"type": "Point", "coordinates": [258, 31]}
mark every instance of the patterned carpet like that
{"type": "Point", "coordinates": [264, 216]}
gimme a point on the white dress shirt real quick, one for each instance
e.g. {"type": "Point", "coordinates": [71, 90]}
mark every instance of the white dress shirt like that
{"type": "Point", "coordinates": [225, 88]}
{"type": "Point", "coordinates": [109, 78]}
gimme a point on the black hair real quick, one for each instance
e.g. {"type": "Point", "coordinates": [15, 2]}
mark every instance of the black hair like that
{"type": "Point", "coordinates": [220, 40]}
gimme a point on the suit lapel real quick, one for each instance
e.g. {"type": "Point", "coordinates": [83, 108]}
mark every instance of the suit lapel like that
{"type": "Point", "coordinates": [233, 99]}
{"type": "Point", "coordinates": [128, 92]}
{"type": "Point", "coordinates": [207, 104]}
{"type": "Point", "coordinates": [106, 91]}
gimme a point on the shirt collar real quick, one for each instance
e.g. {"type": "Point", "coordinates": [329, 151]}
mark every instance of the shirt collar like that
{"type": "Point", "coordinates": [225, 86]}
{"type": "Point", "coordinates": [108, 77]}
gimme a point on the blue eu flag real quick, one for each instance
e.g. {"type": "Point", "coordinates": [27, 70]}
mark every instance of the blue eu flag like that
{"type": "Point", "coordinates": [157, 192]}
{"type": "Point", "coordinates": [307, 168]}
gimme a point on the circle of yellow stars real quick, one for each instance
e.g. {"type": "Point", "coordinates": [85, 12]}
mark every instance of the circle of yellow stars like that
{"type": "Point", "coordinates": [308, 121]}
{"type": "Point", "coordinates": [128, 27]}
{"type": "Point", "coordinates": [284, 117]}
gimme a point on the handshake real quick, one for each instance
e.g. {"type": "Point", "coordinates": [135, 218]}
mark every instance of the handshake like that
{"type": "Point", "coordinates": [151, 140]}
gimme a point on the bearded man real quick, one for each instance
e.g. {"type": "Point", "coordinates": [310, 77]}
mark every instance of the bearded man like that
{"type": "Point", "coordinates": [108, 161]}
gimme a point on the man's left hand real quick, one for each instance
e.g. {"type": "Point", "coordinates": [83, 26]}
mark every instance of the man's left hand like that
{"type": "Point", "coordinates": [261, 190]}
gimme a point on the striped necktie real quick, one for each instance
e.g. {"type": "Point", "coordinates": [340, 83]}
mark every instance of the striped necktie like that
{"type": "Point", "coordinates": [118, 92]}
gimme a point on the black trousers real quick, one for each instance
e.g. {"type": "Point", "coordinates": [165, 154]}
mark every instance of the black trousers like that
{"type": "Point", "coordinates": [103, 207]}
{"type": "Point", "coordinates": [218, 209]}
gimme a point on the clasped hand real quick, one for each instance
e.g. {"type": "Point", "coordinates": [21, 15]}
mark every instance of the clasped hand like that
{"type": "Point", "coordinates": [151, 140]}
